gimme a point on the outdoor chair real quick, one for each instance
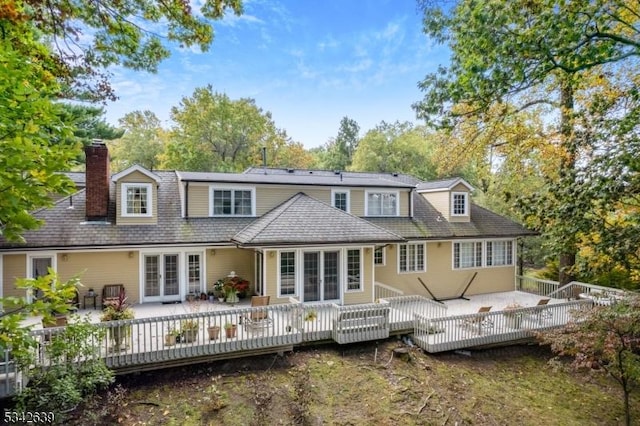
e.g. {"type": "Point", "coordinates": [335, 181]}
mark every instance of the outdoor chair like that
{"type": "Point", "coordinates": [257, 318]}
{"type": "Point", "coordinates": [480, 321]}
{"type": "Point", "coordinates": [111, 294]}
{"type": "Point", "coordinates": [541, 314]}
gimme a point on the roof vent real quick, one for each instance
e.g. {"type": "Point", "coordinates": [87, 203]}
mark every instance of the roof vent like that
{"type": "Point", "coordinates": [394, 174]}
{"type": "Point", "coordinates": [337, 172]}
{"type": "Point", "coordinates": [290, 170]}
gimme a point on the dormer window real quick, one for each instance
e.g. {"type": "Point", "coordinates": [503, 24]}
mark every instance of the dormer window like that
{"type": "Point", "coordinates": [136, 199]}
{"type": "Point", "coordinates": [382, 203]}
{"type": "Point", "coordinates": [459, 204]}
{"type": "Point", "coordinates": [232, 202]}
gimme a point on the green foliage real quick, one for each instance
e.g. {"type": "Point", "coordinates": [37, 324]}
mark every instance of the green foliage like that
{"type": "Point", "coordinates": [143, 142]}
{"type": "Point", "coordinates": [340, 151]}
{"type": "Point", "coordinates": [606, 337]}
{"type": "Point", "coordinates": [75, 371]}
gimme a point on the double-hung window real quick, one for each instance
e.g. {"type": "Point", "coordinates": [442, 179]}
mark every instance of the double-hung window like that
{"type": "Point", "coordinates": [136, 199]}
{"type": "Point", "coordinates": [232, 202]}
{"type": "Point", "coordinates": [499, 253]}
{"type": "Point", "coordinates": [287, 273]}
{"type": "Point", "coordinates": [381, 203]}
{"type": "Point", "coordinates": [411, 257]}
{"type": "Point", "coordinates": [340, 199]}
{"type": "Point", "coordinates": [467, 255]}
{"type": "Point", "coordinates": [459, 204]}
{"type": "Point", "coordinates": [378, 256]}
{"type": "Point", "coordinates": [354, 270]}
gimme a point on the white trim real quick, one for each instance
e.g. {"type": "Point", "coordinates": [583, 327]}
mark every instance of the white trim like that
{"type": "Point", "coordinates": [341, 191]}
{"type": "Point", "coordinates": [232, 187]}
{"type": "Point", "coordinates": [136, 168]}
{"type": "Point", "coordinates": [384, 256]}
{"type": "Point", "coordinates": [123, 199]}
{"type": "Point", "coordinates": [203, 275]}
{"type": "Point", "coordinates": [296, 273]}
{"type": "Point", "coordinates": [346, 270]}
{"type": "Point", "coordinates": [513, 253]}
{"type": "Point", "coordinates": [449, 187]}
{"type": "Point", "coordinates": [424, 257]}
{"type": "Point", "coordinates": [39, 255]}
{"type": "Point", "coordinates": [381, 191]}
{"type": "Point", "coordinates": [466, 204]}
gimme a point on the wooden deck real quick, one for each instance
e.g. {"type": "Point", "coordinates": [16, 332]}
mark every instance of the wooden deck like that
{"type": "Point", "coordinates": [142, 343]}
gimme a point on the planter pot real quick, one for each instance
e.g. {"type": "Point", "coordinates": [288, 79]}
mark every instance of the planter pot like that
{"type": "Point", "coordinates": [212, 299]}
{"type": "Point", "coordinates": [232, 298]}
{"type": "Point", "coordinates": [214, 332]}
{"type": "Point", "coordinates": [169, 339]}
{"type": "Point", "coordinates": [119, 336]}
{"type": "Point", "coordinates": [221, 299]}
{"type": "Point", "coordinates": [189, 336]}
{"type": "Point", "coordinates": [231, 331]}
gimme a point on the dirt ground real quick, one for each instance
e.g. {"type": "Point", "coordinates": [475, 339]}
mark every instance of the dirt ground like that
{"type": "Point", "coordinates": [365, 384]}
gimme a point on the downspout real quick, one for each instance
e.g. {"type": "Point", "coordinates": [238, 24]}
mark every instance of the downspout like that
{"type": "Point", "coordinates": [186, 200]}
{"type": "Point", "coordinates": [411, 202]}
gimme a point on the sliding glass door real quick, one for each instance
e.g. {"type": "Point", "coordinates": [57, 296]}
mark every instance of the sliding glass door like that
{"type": "Point", "coordinates": [321, 276]}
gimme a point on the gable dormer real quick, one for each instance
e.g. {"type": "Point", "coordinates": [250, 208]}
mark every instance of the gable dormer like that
{"type": "Point", "coordinates": [451, 197]}
{"type": "Point", "coordinates": [136, 196]}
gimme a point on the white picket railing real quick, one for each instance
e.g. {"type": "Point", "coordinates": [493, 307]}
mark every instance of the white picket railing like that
{"type": "Point", "coordinates": [402, 309]}
{"type": "Point", "coordinates": [598, 294]}
{"type": "Point", "coordinates": [384, 291]}
{"type": "Point", "coordinates": [463, 331]}
{"type": "Point", "coordinates": [536, 285]}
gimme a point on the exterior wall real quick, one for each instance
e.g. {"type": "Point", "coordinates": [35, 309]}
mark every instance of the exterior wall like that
{"type": "Point", "coordinates": [270, 196]}
{"type": "Point", "coordinates": [14, 267]}
{"type": "Point", "coordinates": [271, 277]}
{"type": "Point", "coordinates": [440, 201]}
{"type": "Point", "coordinates": [460, 188]}
{"type": "Point", "coordinates": [221, 261]}
{"type": "Point", "coordinates": [137, 177]}
{"type": "Point", "coordinates": [440, 277]}
{"type": "Point", "coordinates": [365, 296]}
{"type": "Point", "coordinates": [97, 269]}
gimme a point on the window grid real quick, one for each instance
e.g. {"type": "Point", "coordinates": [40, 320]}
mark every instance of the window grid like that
{"type": "Point", "coordinates": [340, 200]}
{"type": "Point", "coordinates": [193, 263]}
{"type": "Point", "coordinates": [137, 199]}
{"type": "Point", "coordinates": [353, 269]}
{"type": "Point", "coordinates": [287, 273]}
{"type": "Point", "coordinates": [499, 253]}
{"type": "Point", "coordinates": [232, 202]}
{"type": "Point", "coordinates": [382, 204]}
{"type": "Point", "coordinates": [467, 255]}
{"type": "Point", "coordinates": [378, 256]}
{"type": "Point", "coordinates": [460, 204]}
{"type": "Point", "coordinates": [412, 257]}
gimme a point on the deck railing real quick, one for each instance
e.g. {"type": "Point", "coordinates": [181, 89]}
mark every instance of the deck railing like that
{"type": "Point", "coordinates": [359, 323]}
{"type": "Point", "coordinates": [598, 294]}
{"type": "Point", "coordinates": [402, 309]}
{"type": "Point", "coordinates": [383, 291]}
{"type": "Point", "coordinates": [460, 331]}
{"type": "Point", "coordinates": [536, 285]}
{"type": "Point", "coordinates": [10, 379]}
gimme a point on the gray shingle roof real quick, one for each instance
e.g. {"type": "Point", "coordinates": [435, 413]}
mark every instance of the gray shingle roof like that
{"type": "Point", "coordinates": [305, 220]}
{"type": "Point", "coordinates": [439, 185]}
{"type": "Point", "coordinates": [395, 177]}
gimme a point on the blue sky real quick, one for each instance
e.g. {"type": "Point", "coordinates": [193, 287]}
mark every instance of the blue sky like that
{"type": "Point", "coordinates": [308, 62]}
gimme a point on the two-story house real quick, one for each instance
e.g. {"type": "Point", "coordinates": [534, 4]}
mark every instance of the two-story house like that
{"type": "Point", "coordinates": [314, 235]}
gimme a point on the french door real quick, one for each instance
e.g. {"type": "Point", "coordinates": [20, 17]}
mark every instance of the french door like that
{"type": "Point", "coordinates": [161, 277]}
{"type": "Point", "coordinates": [321, 275]}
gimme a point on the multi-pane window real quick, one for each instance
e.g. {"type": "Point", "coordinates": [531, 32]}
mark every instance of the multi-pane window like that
{"type": "Point", "coordinates": [232, 202]}
{"type": "Point", "coordinates": [193, 273]}
{"type": "Point", "coordinates": [459, 203]}
{"type": "Point", "coordinates": [499, 253]}
{"type": "Point", "coordinates": [467, 255]}
{"type": "Point", "coordinates": [341, 200]}
{"type": "Point", "coordinates": [287, 273]}
{"type": "Point", "coordinates": [137, 199]}
{"type": "Point", "coordinates": [382, 203]}
{"type": "Point", "coordinates": [354, 279]}
{"type": "Point", "coordinates": [378, 256]}
{"type": "Point", "coordinates": [411, 257]}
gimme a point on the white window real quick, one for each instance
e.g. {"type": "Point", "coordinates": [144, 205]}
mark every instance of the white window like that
{"type": "Point", "coordinates": [287, 273]}
{"type": "Point", "coordinates": [499, 253]}
{"type": "Point", "coordinates": [340, 200]}
{"type": "Point", "coordinates": [354, 273]}
{"type": "Point", "coordinates": [378, 256]}
{"type": "Point", "coordinates": [136, 199]}
{"type": "Point", "coordinates": [459, 204]}
{"type": "Point", "coordinates": [194, 273]}
{"type": "Point", "coordinates": [411, 257]}
{"type": "Point", "coordinates": [382, 204]}
{"type": "Point", "coordinates": [232, 202]}
{"type": "Point", "coordinates": [467, 255]}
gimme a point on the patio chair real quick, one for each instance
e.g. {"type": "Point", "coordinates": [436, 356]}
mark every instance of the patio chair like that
{"type": "Point", "coordinates": [480, 321]}
{"type": "Point", "coordinates": [541, 313]}
{"type": "Point", "coordinates": [111, 294]}
{"type": "Point", "coordinates": [257, 318]}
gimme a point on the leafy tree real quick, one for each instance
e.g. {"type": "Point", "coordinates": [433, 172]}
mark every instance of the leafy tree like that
{"type": "Point", "coordinates": [89, 36]}
{"type": "Point", "coordinates": [89, 123]}
{"type": "Point", "coordinates": [396, 147]}
{"type": "Point", "coordinates": [606, 337]}
{"type": "Point", "coordinates": [341, 149]}
{"type": "Point", "coordinates": [529, 54]}
{"type": "Point", "coordinates": [143, 142]}
{"type": "Point", "coordinates": [35, 141]}
{"type": "Point", "coordinates": [216, 133]}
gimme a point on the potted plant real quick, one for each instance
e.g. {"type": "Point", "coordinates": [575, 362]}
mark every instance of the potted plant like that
{"type": "Point", "coordinates": [513, 318]}
{"type": "Point", "coordinates": [211, 295]}
{"type": "Point", "coordinates": [230, 330]}
{"type": "Point", "coordinates": [171, 338]}
{"type": "Point", "coordinates": [118, 310]}
{"type": "Point", "coordinates": [234, 288]}
{"type": "Point", "coordinates": [189, 330]}
{"type": "Point", "coordinates": [218, 290]}
{"type": "Point", "coordinates": [214, 331]}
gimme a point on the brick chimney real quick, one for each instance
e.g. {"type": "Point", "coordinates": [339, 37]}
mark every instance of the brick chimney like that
{"type": "Point", "coordinates": [97, 180]}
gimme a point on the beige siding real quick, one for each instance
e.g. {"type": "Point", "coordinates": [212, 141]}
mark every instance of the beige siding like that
{"type": "Point", "coordinates": [365, 296]}
{"type": "Point", "coordinates": [14, 267]}
{"type": "Point", "coordinates": [441, 278]}
{"type": "Point", "coordinates": [198, 200]}
{"type": "Point", "coordinates": [136, 177]}
{"type": "Point", "coordinates": [271, 277]}
{"type": "Point", "coordinates": [268, 197]}
{"type": "Point", "coordinates": [358, 201]}
{"type": "Point", "coordinates": [440, 201]}
{"type": "Point", "coordinates": [98, 269]}
{"type": "Point", "coordinates": [221, 261]}
{"type": "Point", "coordinates": [461, 188]}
